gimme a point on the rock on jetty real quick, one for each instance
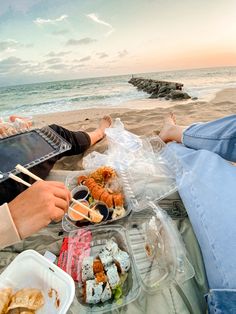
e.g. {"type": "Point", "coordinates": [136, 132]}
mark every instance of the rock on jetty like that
{"type": "Point", "coordinates": [160, 89]}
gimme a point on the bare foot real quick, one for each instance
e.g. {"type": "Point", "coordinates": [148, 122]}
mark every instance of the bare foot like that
{"type": "Point", "coordinates": [104, 123]}
{"type": "Point", "coordinates": [99, 133]}
{"type": "Point", "coordinates": [168, 128]}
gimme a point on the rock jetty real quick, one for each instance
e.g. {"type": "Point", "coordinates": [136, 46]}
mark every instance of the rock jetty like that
{"type": "Point", "coordinates": [160, 89]}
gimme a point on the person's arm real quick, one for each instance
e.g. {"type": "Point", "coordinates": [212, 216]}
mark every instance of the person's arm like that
{"type": "Point", "coordinates": [32, 210]}
{"type": "Point", "coordinates": [8, 232]}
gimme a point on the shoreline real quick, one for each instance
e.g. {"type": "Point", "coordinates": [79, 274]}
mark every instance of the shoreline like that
{"type": "Point", "coordinates": [140, 120]}
{"type": "Point", "coordinates": [223, 103]}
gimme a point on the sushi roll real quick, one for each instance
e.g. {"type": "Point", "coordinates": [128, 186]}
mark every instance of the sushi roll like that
{"type": "Point", "coordinates": [109, 250]}
{"type": "Point", "coordinates": [87, 268]}
{"type": "Point", "coordinates": [122, 261]}
{"type": "Point", "coordinates": [112, 275]}
{"type": "Point", "coordinates": [93, 291]}
{"type": "Point", "coordinates": [111, 247]}
{"type": "Point", "coordinates": [107, 293]}
{"type": "Point", "coordinates": [105, 258]}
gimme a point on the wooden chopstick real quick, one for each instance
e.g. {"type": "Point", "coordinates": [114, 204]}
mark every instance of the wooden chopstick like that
{"type": "Point", "coordinates": [26, 171]}
{"type": "Point", "coordinates": [12, 176]}
{"type": "Point", "coordinates": [33, 176]}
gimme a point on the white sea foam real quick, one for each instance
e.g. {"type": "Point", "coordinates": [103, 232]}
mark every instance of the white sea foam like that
{"type": "Point", "coordinates": [106, 91]}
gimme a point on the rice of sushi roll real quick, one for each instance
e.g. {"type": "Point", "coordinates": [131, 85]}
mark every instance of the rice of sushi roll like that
{"type": "Point", "coordinates": [112, 275]}
{"type": "Point", "coordinates": [122, 261]}
{"type": "Point", "coordinates": [105, 258]}
{"type": "Point", "coordinates": [111, 248]}
{"type": "Point", "coordinates": [93, 291]}
{"type": "Point", "coordinates": [107, 293]}
{"type": "Point", "coordinates": [87, 268]}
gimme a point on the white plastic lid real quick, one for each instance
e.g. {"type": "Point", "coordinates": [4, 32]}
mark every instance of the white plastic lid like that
{"type": "Point", "coordinates": [31, 270]}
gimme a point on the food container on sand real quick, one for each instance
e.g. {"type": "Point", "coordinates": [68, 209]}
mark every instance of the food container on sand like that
{"type": "Point", "coordinates": [31, 270]}
{"type": "Point", "coordinates": [147, 178]}
{"type": "Point", "coordinates": [156, 253]}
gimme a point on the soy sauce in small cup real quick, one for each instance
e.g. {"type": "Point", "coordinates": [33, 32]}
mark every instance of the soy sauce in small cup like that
{"type": "Point", "coordinates": [80, 193]}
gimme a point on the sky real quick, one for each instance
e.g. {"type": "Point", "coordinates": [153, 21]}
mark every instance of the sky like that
{"type": "Point", "coordinates": [47, 40]}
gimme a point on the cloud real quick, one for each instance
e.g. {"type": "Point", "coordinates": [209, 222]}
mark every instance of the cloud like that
{"type": "Point", "coordinates": [102, 55]}
{"type": "Point", "coordinates": [83, 41]}
{"type": "Point", "coordinates": [9, 44]}
{"type": "Point", "coordinates": [57, 54]}
{"type": "Point", "coordinates": [85, 59]}
{"type": "Point", "coordinates": [60, 32]}
{"type": "Point", "coordinates": [58, 67]}
{"type": "Point", "coordinates": [53, 60]}
{"type": "Point", "coordinates": [12, 64]}
{"type": "Point", "coordinates": [96, 19]}
{"type": "Point", "coordinates": [39, 21]}
{"type": "Point", "coordinates": [123, 53]}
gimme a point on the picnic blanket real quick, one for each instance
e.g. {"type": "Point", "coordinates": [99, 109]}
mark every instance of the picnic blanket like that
{"type": "Point", "coordinates": [183, 298]}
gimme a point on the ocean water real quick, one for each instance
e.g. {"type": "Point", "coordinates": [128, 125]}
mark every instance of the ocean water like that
{"type": "Point", "coordinates": [112, 91]}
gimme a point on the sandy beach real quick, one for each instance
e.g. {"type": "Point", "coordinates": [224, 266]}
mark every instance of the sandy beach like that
{"type": "Point", "coordinates": [142, 117]}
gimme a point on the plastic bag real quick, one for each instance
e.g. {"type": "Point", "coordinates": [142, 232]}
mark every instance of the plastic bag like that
{"type": "Point", "coordinates": [139, 160]}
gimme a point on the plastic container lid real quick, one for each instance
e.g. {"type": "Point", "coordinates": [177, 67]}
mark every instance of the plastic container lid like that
{"type": "Point", "coordinates": [91, 241]}
{"type": "Point", "coordinates": [37, 272]}
{"type": "Point", "coordinates": [149, 177]}
{"type": "Point", "coordinates": [29, 149]}
{"type": "Point", "coordinates": [158, 250]}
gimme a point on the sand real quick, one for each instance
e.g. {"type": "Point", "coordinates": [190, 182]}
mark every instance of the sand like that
{"type": "Point", "coordinates": [142, 117]}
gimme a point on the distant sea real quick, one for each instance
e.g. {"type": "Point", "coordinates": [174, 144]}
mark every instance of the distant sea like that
{"type": "Point", "coordinates": [110, 91]}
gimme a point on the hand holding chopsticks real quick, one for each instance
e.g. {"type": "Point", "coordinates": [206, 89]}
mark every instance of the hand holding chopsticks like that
{"type": "Point", "coordinates": [30, 174]}
{"type": "Point", "coordinates": [38, 205]}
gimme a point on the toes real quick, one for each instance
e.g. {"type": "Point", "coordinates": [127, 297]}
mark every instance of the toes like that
{"type": "Point", "coordinates": [108, 119]}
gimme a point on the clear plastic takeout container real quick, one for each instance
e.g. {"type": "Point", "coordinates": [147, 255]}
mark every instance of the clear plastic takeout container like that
{"type": "Point", "coordinates": [147, 178]}
{"type": "Point", "coordinates": [129, 199]}
{"type": "Point", "coordinates": [31, 270]}
{"type": "Point", "coordinates": [158, 250]}
{"type": "Point", "coordinates": [92, 240]}
{"type": "Point", "coordinates": [29, 148]}
{"type": "Point", "coordinates": [158, 257]}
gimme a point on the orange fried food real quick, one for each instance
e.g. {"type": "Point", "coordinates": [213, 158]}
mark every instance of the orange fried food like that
{"type": "Point", "coordinates": [103, 174]}
{"type": "Point", "coordinates": [109, 201]}
{"type": "Point", "coordinates": [97, 192]}
{"type": "Point", "coordinates": [90, 183]}
{"type": "Point", "coordinates": [118, 200]}
{"type": "Point", "coordinates": [81, 179]}
{"type": "Point", "coordinates": [97, 266]}
{"type": "Point", "coordinates": [100, 277]}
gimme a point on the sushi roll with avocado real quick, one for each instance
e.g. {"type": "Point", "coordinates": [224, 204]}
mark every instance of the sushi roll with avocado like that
{"type": "Point", "coordinates": [112, 276]}
{"type": "Point", "coordinates": [107, 293]}
{"type": "Point", "coordinates": [87, 268]}
{"type": "Point", "coordinates": [93, 291]}
{"type": "Point", "coordinates": [122, 261]}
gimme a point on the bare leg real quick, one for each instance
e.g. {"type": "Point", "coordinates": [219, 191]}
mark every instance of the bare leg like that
{"type": "Point", "coordinates": [170, 131]}
{"type": "Point", "coordinates": [99, 133]}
